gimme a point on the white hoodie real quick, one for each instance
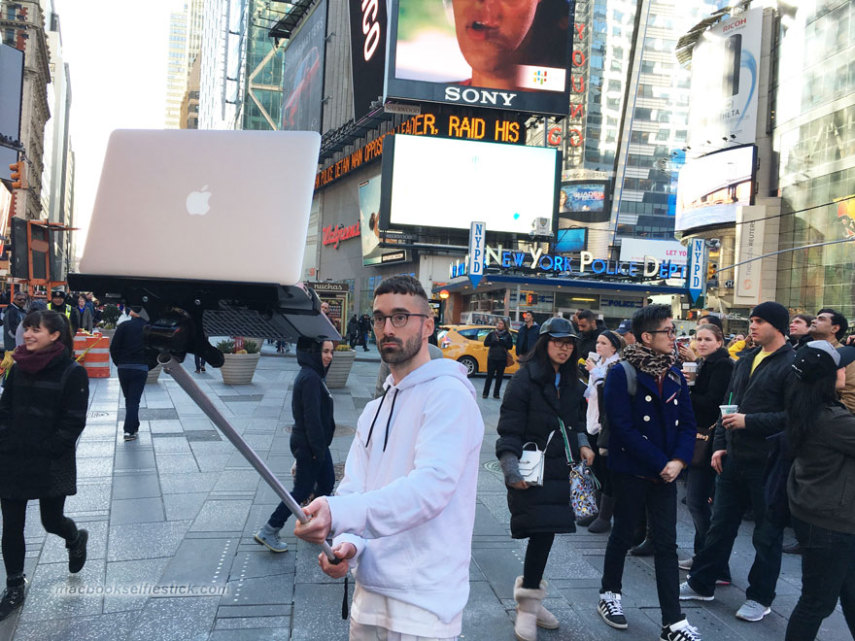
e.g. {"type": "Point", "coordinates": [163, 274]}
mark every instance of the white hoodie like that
{"type": "Point", "coordinates": [410, 509]}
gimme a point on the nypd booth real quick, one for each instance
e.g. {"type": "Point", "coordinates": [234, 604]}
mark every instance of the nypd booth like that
{"type": "Point", "coordinates": [546, 284]}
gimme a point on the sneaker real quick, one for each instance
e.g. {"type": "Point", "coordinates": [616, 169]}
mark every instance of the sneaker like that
{"type": "Point", "coordinates": [688, 594]}
{"type": "Point", "coordinates": [203, 369]}
{"type": "Point", "coordinates": [12, 599]}
{"type": "Point", "coordinates": [722, 581]}
{"type": "Point", "coordinates": [611, 609]}
{"type": "Point", "coordinates": [685, 564]}
{"type": "Point", "coordinates": [77, 552]}
{"type": "Point", "coordinates": [198, 371]}
{"type": "Point", "coordinates": [793, 548]}
{"type": "Point", "coordinates": [645, 548]}
{"type": "Point", "coordinates": [752, 611]}
{"type": "Point", "coordinates": [130, 436]}
{"type": "Point", "coordinates": [680, 631]}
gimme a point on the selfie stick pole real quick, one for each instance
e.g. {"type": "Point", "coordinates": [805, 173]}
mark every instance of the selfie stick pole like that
{"type": "Point", "coordinates": [173, 367]}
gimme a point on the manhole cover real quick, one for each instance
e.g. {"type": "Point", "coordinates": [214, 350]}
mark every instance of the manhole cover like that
{"type": "Point", "coordinates": [495, 467]}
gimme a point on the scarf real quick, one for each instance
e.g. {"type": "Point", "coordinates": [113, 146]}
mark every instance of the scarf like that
{"type": "Point", "coordinates": [34, 362]}
{"type": "Point", "coordinates": [646, 360]}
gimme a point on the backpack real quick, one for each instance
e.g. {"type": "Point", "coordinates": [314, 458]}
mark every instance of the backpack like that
{"type": "Point", "coordinates": [631, 388]}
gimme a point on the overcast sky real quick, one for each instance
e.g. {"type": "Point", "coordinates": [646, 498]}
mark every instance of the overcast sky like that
{"type": "Point", "coordinates": [116, 51]}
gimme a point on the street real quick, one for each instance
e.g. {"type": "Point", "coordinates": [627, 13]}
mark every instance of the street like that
{"type": "Point", "coordinates": [171, 519]}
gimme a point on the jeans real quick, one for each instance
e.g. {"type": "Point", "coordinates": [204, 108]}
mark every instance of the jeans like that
{"type": "Point", "coordinates": [14, 519]}
{"type": "Point", "coordinates": [828, 573]}
{"type": "Point", "coordinates": [632, 495]}
{"type": "Point", "coordinates": [737, 486]}
{"type": "Point", "coordinates": [310, 472]}
{"type": "Point", "coordinates": [700, 488]}
{"type": "Point", "coordinates": [494, 368]}
{"type": "Point", "coordinates": [198, 361]}
{"type": "Point", "coordinates": [133, 384]}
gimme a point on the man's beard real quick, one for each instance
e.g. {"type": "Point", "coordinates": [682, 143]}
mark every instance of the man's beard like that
{"type": "Point", "coordinates": [405, 353]}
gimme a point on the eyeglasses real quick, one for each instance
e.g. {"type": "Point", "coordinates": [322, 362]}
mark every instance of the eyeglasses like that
{"type": "Point", "coordinates": [399, 319]}
{"type": "Point", "coordinates": [671, 331]}
{"type": "Point", "coordinates": [562, 344]}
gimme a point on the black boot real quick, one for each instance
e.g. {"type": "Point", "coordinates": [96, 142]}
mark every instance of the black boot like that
{"type": "Point", "coordinates": [77, 552]}
{"type": "Point", "coordinates": [603, 522]}
{"type": "Point", "coordinates": [13, 597]}
{"type": "Point", "coordinates": [645, 548]}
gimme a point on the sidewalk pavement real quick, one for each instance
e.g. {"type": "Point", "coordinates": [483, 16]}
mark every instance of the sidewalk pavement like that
{"type": "Point", "coordinates": [171, 518]}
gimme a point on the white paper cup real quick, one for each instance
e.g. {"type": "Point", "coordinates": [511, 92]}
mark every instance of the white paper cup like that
{"type": "Point", "coordinates": [728, 409]}
{"type": "Point", "coordinates": [690, 367]}
{"type": "Point", "coordinates": [593, 356]}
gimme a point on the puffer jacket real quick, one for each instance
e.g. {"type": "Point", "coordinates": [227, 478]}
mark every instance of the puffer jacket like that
{"type": "Point", "coordinates": [530, 411]}
{"type": "Point", "coordinates": [41, 417]}
{"type": "Point", "coordinates": [312, 407]}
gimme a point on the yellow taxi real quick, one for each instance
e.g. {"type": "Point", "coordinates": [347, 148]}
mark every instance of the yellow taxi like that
{"type": "Point", "coordinates": [465, 344]}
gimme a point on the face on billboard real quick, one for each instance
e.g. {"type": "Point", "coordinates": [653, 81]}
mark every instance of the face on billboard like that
{"type": "Point", "coordinates": [584, 201]}
{"type": "Point", "coordinates": [490, 36]}
{"type": "Point", "coordinates": [503, 54]}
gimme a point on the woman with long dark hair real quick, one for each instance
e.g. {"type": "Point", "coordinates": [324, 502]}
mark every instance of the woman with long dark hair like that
{"type": "Point", "coordinates": [543, 399]}
{"type": "Point", "coordinates": [821, 436]}
{"type": "Point", "coordinates": [708, 386]}
{"type": "Point", "coordinates": [499, 343]}
{"type": "Point", "coordinates": [42, 413]}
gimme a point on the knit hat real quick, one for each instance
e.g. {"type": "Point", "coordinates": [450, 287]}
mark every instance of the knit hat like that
{"type": "Point", "coordinates": [816, 360]}
{"type": "Point", "coordinates": [612, 337]}
{"type": "Point", "coordinates": [775, 314]}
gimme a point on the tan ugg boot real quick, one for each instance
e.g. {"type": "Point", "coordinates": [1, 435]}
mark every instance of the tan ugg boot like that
{"type": "Point", "coordinates": [530, 612]}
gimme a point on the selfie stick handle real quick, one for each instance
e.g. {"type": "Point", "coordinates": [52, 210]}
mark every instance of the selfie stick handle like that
{"type": "Point", "coordinates": [182, 377]}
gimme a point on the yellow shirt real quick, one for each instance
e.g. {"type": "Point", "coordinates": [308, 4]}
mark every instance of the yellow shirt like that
{"type": "Point", "coordinates": [758, 358]}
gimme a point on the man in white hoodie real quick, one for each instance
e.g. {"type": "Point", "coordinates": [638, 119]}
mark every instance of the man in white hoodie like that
{"type": "Point", "coordinates": [403, 515]}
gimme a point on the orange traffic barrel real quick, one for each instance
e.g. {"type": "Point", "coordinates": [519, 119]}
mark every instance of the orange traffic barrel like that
{"type": "Point", "coordinates": [93, 352]}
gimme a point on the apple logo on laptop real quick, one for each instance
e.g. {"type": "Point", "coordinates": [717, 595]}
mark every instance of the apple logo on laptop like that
{"type": "Point", "coordinates": [197, 202]}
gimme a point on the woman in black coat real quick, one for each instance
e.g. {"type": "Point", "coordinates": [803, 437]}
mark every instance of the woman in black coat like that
{"type": "Point", "coordinates": [545, 389]}
{"type": "Point", "coordinates": [313, 431]}
{"type": "Point", "coordinates": [500, 343]}
{"type": "Point", "coordinates": [707, 388]}
{"type": "Point", "coordinates": [42, 413]}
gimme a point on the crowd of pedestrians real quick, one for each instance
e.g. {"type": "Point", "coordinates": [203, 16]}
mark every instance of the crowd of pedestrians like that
{"type": "Point", "coordinates": [764, 423]}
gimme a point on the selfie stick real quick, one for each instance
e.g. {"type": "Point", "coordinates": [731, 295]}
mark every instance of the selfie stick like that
{"type": "Point", "coordinates": [173, 367]}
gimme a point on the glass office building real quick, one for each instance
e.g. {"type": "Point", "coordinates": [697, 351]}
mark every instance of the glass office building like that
{"type": "Point", "coordinates": [815, 138]}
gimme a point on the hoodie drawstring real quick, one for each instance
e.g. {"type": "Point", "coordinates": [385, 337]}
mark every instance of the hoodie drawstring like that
{"type": "Point", "coordinates": [388, 421]}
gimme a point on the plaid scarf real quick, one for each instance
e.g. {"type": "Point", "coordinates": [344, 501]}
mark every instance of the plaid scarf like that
{"type": "Point", "coordinates": [646, 360]}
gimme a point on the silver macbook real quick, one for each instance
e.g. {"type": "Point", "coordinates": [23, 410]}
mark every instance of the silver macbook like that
{"type": "Point", "coordinates": [203, 205]}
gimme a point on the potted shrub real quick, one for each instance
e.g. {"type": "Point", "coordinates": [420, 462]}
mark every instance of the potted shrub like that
{"type": "Point", "coordinates": [239, 365]}
{"type": "Point", "coordinates": [340, 367]}
{"type": "Point", "coordinates": [109, 317]}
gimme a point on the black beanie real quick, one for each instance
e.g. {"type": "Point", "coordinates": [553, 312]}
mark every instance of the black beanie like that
{"type": "Point", "coordinates": [775, 314]}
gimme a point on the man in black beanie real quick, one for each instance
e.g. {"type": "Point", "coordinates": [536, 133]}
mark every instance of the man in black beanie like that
{"type": "Point", "coordinates": [740, 450]}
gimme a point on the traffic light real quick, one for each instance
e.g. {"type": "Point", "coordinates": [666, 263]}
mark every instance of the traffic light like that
{"type": "Point", "coordinates": [17, 175]}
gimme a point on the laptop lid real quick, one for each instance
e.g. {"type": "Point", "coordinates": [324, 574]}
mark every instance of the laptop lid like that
{"type": "Point", "coordinates": [203, 205]}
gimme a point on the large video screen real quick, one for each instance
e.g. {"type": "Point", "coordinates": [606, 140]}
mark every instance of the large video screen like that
{"type": "Point", "coordinates": [469, 52]}
{"type": "Point", "coordinates": [303, 74]}
{"type": "Point", "coordinates": [585, 201]}
{"type": "Point", "coordinates": [711, 187]}
{"type": "Point", "coordinates": [568, 241]}
{"type": "Point", "coordinates": [439, 182]}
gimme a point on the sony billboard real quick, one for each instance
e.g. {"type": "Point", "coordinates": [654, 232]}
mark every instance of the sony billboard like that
{"type": "Point", "coordinates": [463, 52]}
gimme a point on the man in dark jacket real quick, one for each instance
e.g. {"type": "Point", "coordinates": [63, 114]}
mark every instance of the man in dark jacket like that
{"type": "Point", "coordinates": [128, 353]}
{"type": "Point", "coordinates": [15, 313]}
{"type": "Point", "coordinates": [313, 431]}
{"type": "Point", "coordinates": [651, 441]}
{"type": "Point", "coordinates": [364, 330]}
{"type": "Point", "coordinates": [588, 333]}
{"type": "Point", "coordinates": [527, 334]}
{"type": "Point", "coordinates": [740, 451]}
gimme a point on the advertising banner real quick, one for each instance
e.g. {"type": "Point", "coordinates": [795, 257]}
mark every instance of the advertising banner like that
{"type": "Point", "coordinates": [11, 88]}
{"type": "Point", "coordinates": [712, 187]}
{"type": "Point", "coordinates": [303, 74]}
{"type": "Point", "coordinates": [368, 26]}
{"type": "Point", "coordinates": [435, 182]}
{"type": "Point", "coordinates": [638, 249]}
{"type": "Point", "coordinates": [747, 277]}
{"type": "Point", "coordinates": [369, 227]}
{"type": "Point", "coordinates": [465, 52]}
{"type": "Point", "coordinates": [477, 251]}
{"type": "Point", "coordinates": [571, 240]}
{"type": "Point", "coordinates": [585, 201]}
{"type": "Point", "coordinates": [725, 83]}
{"type": "Point", "coordinates": [697, 268]}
